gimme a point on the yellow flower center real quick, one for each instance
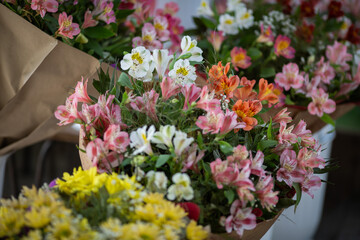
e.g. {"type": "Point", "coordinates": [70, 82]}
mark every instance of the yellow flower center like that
{"type": "Point", "coordinates": [229, 21]}
{"type": "Point", "coordinates": [283, 45]}
{"type": "Point", "coordinates": [239, 57]}
{"type": "Point", "coordinates": [203, 4]}
{"type": "Point", "coordinates": [147, 38]}
{"type": "Point", "coordinates": [143, 135]}
{"type": "Point", "coordinates": [182, 71]}
{"type": "Point", "coordinates": [245, 16]}
{"type": "Point", "coordinates": [107, 10]}
{"type": "Point", "coordinates": [191, 46]}
{"type": "Point", "coordinates": [344, 26]}
{"type": "Point", "coordinates": [159, 26]}
{"type": "Point", "coordinates": [288, 167]}
{"type": "Point", "coordinates": [66, 23]}
{"type": "Point", "coordinates": [137, 57]}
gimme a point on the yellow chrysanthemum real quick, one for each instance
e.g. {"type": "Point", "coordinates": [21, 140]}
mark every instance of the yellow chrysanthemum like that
{"type": "Point", "coordinates": [195, 232]}
{"type": "Point", "coordinates": [33, 235]}
{"type": "Point", "coordinates": [11, 221]}
{"type": "Point", "coordinates": [112, 228]}
{"type": "Point", "coordinates": [171, 233]}
{"type": "Point", "coordinates": [37, 217]}
{"type": "Point", "coordinates": [140, 231]}
{"type": "Point", "coordinates": [61, 230]}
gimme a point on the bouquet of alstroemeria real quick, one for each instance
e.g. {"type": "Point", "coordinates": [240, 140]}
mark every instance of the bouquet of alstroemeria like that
{"type": "Point", "coordinates": [203, 143]}
{"type": "Point", "coordinates": [103, 28]}
{"type": "Point", "coordinates": [295, 44]}
{"type": "Point", "coordinates": [88, 205]}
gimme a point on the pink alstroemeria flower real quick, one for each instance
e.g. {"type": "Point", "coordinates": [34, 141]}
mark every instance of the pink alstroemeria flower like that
{"type": "Point", "coordinates": [283, 48]}
{"type": "Point", "coordinates": [104, 11]}
{"type": "Point", "coordinates": [90, 113]}
{"type": "Point", "coordinates": [88, 20]}
{"type": "Point", "coordinates": [239, 58]}
{"type": "Point", "coordinates": [257, 163]}
{"type": "Point", "coordinates": [207, 101]}
{"type": "Point", "coordinates": [161, 25]}
{"type": "Point", "coordinates": [148, 38]}
{"type": "Point", "coordinates": [282, 116]}
{"type": "Point", "coordinates": [223, 173]}
{"type": "Point", "coordinates": [311, 183]}
{"type": "Point", "coordinates": [308, 159]}
{"type": "Point", "coordinates": [289, 171]}
{"type": "Point", "coordinates": [240, 154]}
{"type": "Point", "coordinates": [147, 104]}
{"type": "Point", "coordinates": [169, 88]}
{"type": "Point", "coordinates": [244, 184]}
{"type": "Point", "coordinates": [240, 219]}
{"type": "Point", "coordinates": [321, 103]}
{"type": "Point", "coordinates": [325, 71]}
{"type": "Point", "coordinates": [289, 77]}
{"type": "Point", "coordinates": [192, 157]}
{"type": "Point", "coordinates": [266, 36]}
{"type": "Point", "coordinates": [230, 122]}
{"type": "Point", "coordinates": [305, 134]}
{"type": "Point", "coordinates": [43, 6]}
{"type": "Point", "coordinates": [81, 92]}
{"type": "Point", "coordinates": [337, 54]}
{"type": "Point", "coordinates": [68, 113]}
{"type": "Point", "coordinates": [264, 191]}
{"type": "Point", "coordinates": [211, 122]}
{"type": "Point", "coordinates": [115, 139]}
{"type": "Point", "coordinates": [286, 134]}
{"type": "Point", "coordinates": [216, 38]}
{"type": "Point", "coordinates": [66, 27]}
{"type": "Point", "coordinates": [191, 93]}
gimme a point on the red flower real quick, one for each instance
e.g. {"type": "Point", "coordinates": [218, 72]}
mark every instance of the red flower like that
{"type": "Point", "coordinates": [305, 31]}
{"type": "Point", "coordinates": [257, 212]}
{"type": "Point", "coordinates": [287, 6]}
{"type": "Point", "coordinates": [192, 209]}
{"type": "Point", "coordinates": [353, 35]}
{"type": "Point", "coordinates": [307, 9]}
{"type": "Point", "coordinates": [334, 9]}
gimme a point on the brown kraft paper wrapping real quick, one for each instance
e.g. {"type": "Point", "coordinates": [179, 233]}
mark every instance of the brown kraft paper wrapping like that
{"type": "Point", "coordinates": [37, 73]}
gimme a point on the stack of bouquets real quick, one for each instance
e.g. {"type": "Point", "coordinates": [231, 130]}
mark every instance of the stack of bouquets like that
{"type": "Point", "coordinates": [309, 49]}
{"type": "Point", "coordinates": [103, 28]}
{"type": "Point", "coordinates": [88, 205]}
{"type": "Point", "coordinates": [204, 146]}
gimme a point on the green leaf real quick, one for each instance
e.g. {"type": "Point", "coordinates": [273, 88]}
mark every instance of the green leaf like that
{"type": "Point", "coordinates": [98, 32]}
{"type": "Point", "coordinates": [254, 53]}
{"type": "Point", "coordinates": [124, 98]}
{"type": "Point", "coordinates": [328, 119]}
{"type": "Point", "coordinates": [123, 13]}
{"type": "Point", "coordinates": [124, 81]}
{"type": "Point", "coordinates": [94, 45]}
{"type": "Point", "coordinates": [226, 147]}
{"type": "Point", "coordinates": [196, 63]}
{"type": "Point", "coordinates": [126, 162]}
{"type": "Point", "coordinates": [269, 130]}
{"type": "Point", "coordinates": [208, 23]}
{"type": "Point", "coordinates": [230, 195]}
{"type": "Point", "coordinates": [267, 72]}
{"type": "Point", "coordinates": [162, 160]}
{"type": "Point", "coordinates": [288, 100]}
{"type": "Point", "coordinates": [171, 65]}
{"type": "Point", "coordinates": [200, 140]}
{"type": "Point", "coordinates": [298, 194]}
{"type": "Point", "coordinates": [185, 56]}
{"type": "Point", "coordinates": [267, 144]}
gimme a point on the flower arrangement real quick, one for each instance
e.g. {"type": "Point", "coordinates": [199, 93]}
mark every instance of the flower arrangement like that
{"type": "Point", "coordinates": [87, 205]}
{"type": "Point", "coordinates": [103, 28]}
{"type": "Point", "coordinates": [308, 49]}
{"type": "Point", "coordinates": [202, 145]}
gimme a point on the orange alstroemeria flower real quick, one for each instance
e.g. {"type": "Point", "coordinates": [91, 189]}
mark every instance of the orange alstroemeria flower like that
{"type": "Point", "coordinates": [246, 90]}
{"type": "Point", "coordinates": [218, 71]}
{"type": "Point", "coordinates": [266, 92]}
{"type": "Point", "coordinates": [220, 82]}
{"type": "Point", "coordinates": [246, 110]}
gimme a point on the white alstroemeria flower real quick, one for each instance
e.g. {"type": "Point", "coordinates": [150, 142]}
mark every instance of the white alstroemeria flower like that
{"type": "Point", "coordinates": [190, 46]}
{"type": "Point", "coordinates": [157, 181]}
{"type": "Point", "coordinates": [233, 5]}
{"type": "Point", "coordinates": [181, 189]}
{"type": "Point", "coordinates": [139, 173]}
{"type": "Point", "coordinates": [165, 135]}
{"type": "Point", "coordinates": [204, 9]}
{"type": "Point", "coordinates": [181, 142]}
{"type": "Point", "coordinates": [183, 73]}
{"type": "Point", "coordinates": [228, 24]}
{"type": "Point", "coordinates": [357, 57]}
{"type": "Point", "coordinates": [139, 63]}
{"type": "Point", "coordinates": [140, 139]}
{"type": "Point", "coordinates": [161, 59]}
{"type": "Point", "coordinates": [344, 27]}
{"type": "Point", "coordinates": [244, 18]}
